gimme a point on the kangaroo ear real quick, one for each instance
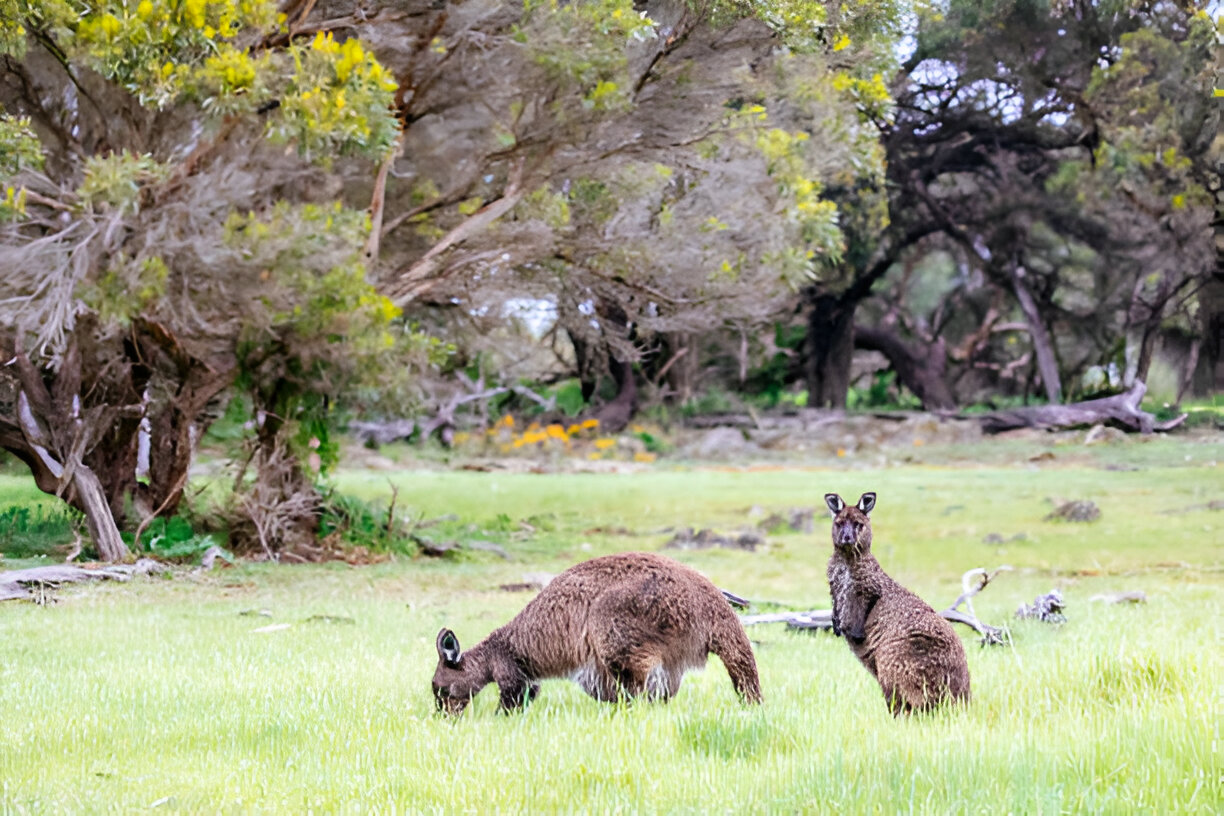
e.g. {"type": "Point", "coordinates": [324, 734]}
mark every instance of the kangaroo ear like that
{"type": "Point", "coordinates": [835, 503]}
{"type": "Point", "coordinates": [448, 648]}
{"type": "Point", "coordinates": [866, 502]}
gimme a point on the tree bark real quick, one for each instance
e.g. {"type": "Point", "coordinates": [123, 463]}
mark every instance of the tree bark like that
{"type": "Point", "coordinates": [681, 366]}
{"type": "Point", "coordinates": [587, 362]}
{"type": "Point", "coordinates": [830, 350]}
{"type": "Point", "coordinates": [922, 371]}
{"type": "Point", "coordinates": [1043, 344]}
{"type": "Point", "coordinates": [98, 516]}
{"type": "Point", "coordinates": [1209, 373]}
{"type": "Point", "coordinates": [615, 415]}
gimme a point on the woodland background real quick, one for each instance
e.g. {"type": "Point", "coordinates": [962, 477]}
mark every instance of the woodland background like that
{"type": "Point", "coordinates": [253, 225]}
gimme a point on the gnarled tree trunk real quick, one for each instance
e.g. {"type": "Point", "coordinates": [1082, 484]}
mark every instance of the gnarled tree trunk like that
{"type": "Point", "coordinates": [78, 426]}
{"type": "Point", "coordinates": [921, 370]}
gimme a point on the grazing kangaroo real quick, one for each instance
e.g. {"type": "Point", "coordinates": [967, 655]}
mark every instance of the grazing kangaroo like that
{"type": "Point", "coordinates": [620, 626]}
{"type": "Point", "coordinates": [912, 651]}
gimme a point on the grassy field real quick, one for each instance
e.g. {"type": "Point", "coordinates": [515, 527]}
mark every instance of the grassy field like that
{"type": "Point", "coordinates": [165, 694]}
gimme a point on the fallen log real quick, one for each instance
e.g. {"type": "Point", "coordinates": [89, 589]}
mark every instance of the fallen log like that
{"type": "Point", "coordinates": [823, 618]}
{"type": "Point", "coordinates": [1120, 410]}
{"type": "Point", "coordinates": [22, 584]}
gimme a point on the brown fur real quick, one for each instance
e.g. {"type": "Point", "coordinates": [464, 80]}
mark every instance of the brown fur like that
{"type": "Point", "coordinates": [911, 651]}
{"type": "Point", "coordinates": [620, 626]}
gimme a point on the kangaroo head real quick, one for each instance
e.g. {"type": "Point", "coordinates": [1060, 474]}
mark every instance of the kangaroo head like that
{"type": "Point", "coordinates": [458, 677]}
{"type": "Point", "coordinates": [851, 525]}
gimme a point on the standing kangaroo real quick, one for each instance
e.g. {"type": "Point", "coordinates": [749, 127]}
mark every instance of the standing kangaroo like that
{"type": "Point", "coordinates": [909, 649]}
{"type": "Point", "coordinates": [620, 626]}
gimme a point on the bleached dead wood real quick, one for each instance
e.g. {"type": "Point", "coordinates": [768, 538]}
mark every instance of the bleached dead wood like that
{"type": "Point", "coordinates": [972, 582]}
{"type": "Point", "coordinates": [20, 584]}
{"type": "Point", "coordinates": [1120, 409]}
{"type": "Point", "coordinates": [816, 619]}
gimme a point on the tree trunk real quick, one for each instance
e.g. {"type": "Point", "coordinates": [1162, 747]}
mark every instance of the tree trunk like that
{"type": "Point", "coordinates": [615, 415]}
{"type": "Point", "coordinates": [682, 365]}
{"type": "Point", "coordinates": [1209, 373]}
{"type": "Point", "coordinates": [1186, 376]}
{"type": "Point", "coordinates": [98, 516]}
{"type": "Point", "coordinates": [922, 371]}
{"type": "Point", "coordinates": [173, 433]}
{"type": "Point", "coordinates": [830, 350]}
{"type": "Point", "coordinates": [587, 363]}
{"type": "Point", "coordinates": [77, 426]}
{"type": "Point", "coordinates": [1043, 344]}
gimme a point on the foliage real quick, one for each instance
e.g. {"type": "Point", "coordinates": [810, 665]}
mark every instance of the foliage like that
{"type": "Point", "coordinates": [333, 98]}
{"type": "Point", "coordinates": [882, 392]}
{"type": "Point", "coordinates": [338, 101]}
{"type": "Point", "coordinates": [582, 45]}
{"type": "Point", "coordinates": [360, 523]}
{"type": "Point", "coordinates": [19, 146]}
{"type": "Point", "coordinates": [173, 538]}
{"type": "Point", "coordinates": [26, 531]}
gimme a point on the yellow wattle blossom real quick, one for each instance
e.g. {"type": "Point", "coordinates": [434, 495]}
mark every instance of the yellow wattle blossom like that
{"type": "Point", "coordinates": [324, 42]}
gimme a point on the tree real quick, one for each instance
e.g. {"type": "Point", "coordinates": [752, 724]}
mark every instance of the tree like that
{"type": "Point", "coordinates": [656, 178]}
{"type": "Point", "coordinates": [171, 228]}
{"type": "Point", "coordinates": [1023, 155]}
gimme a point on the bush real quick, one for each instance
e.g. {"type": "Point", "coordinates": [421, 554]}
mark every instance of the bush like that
{"type": "Point", "coordinates": [27, 532]}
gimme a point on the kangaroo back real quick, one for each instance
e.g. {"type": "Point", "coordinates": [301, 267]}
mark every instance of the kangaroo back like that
{"type": "Point", "coordinates": [620, 626]}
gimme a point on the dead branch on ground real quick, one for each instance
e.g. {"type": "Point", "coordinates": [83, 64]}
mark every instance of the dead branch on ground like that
{"type": "Point", "coordinates": [1121, 410]}
{"type": "Point", "coordinates": [972, 582]}
{"type": "Point", "coordinates": [28, 584]}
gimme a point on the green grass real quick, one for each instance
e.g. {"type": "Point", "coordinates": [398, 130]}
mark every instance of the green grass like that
{"type": "Point", "coordinates": [122, 696]}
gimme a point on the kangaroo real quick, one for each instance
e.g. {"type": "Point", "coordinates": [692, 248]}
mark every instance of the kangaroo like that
{"type": "Point", "coordinates": [909, 649]}
{"type": "Point", "coordinates": [620, 626]}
